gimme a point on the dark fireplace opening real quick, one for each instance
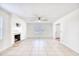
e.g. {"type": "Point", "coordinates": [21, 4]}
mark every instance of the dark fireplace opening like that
{"type": "Point", "coordinates": [17, 37]}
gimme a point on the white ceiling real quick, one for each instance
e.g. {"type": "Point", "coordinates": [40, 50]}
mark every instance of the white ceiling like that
{"type": "Point", "coordinates": [51, 10]}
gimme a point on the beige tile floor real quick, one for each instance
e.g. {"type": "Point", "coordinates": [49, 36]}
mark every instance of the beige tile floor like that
{"type": "Point", "coordinates": [39, 47]}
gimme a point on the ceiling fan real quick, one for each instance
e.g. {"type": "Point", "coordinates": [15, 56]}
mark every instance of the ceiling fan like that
{"type": "Point", "coordinates": [41, 18]}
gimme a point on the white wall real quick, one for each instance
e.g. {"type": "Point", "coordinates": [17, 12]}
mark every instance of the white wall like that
{"type": "Point", "coordinates": [18, 30]}
{"type": "Point", "coordinates": [39, 30]}
{"type": "Point", "coordinates": [5, 42]}
{"type": "Point", "coordinates": [70, 30]}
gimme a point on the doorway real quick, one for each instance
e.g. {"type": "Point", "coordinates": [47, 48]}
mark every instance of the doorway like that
{"type": "Point", "coordinates": [58, 32]}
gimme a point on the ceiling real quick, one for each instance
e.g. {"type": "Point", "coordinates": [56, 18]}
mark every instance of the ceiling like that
{"type": "Point", "coordinates": [53, 11]}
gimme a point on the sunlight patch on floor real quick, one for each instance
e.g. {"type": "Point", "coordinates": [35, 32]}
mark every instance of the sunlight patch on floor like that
{"type": "Point", "coordinates": [39, 43]}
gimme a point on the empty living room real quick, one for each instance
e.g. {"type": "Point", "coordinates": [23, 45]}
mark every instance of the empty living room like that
{"type": "Point", "coordinates": [39, 29]}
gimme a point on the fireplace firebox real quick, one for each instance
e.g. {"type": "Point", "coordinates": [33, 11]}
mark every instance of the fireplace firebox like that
{"type": "Point", "coordinates": [17, 37]}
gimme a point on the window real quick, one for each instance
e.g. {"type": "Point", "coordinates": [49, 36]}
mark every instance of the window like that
{"type": "Point", "coordinates": [1, 27]}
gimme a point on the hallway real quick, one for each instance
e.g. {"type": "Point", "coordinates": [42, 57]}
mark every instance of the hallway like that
{"type": "Point", "coordinates": [38, 47]}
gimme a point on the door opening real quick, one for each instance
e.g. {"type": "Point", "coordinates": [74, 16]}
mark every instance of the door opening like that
{"type": "Point", "coordinates": [58, 32]}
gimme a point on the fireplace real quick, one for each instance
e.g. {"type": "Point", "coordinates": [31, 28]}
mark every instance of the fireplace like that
{"type": "Point", "coordinates": [17, 37]}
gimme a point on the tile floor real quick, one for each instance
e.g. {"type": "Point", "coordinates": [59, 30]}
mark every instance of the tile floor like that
{"type": "Point", "coordinates": [38, 47]}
